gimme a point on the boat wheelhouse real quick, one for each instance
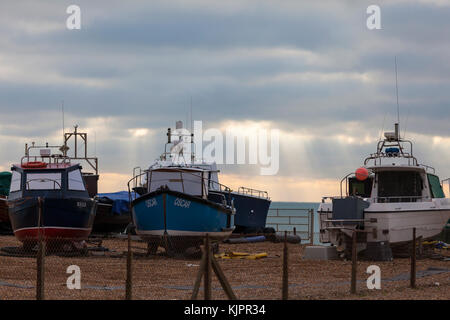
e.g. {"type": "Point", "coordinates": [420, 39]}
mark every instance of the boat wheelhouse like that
{"type": "Point", "coordinates": [397, 195]}
{"type": "Point", "coordinates": [48, 198]}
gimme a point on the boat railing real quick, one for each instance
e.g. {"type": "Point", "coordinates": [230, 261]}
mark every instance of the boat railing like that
{"type": "Point", "coordinates": [398, 199]}
{"type": "Point", "coordinates": [217, 186]}
{"type": "Point", "coordinates": [183, 174]}
{"type": "Point", "coordinates": [378, 157]}
{"type": "Point", "coordinates": [63, 157]}
{"type": "Point", "coordinates": [380, 154]}
{"type": "Point", "coordinates": [428, 168]}
{"type": "Point", "coordinates": [47, 159]}
{"type": "Point", "coordinates": [137, 182]}
{"type": "Point", "coordinates": [253, 192]}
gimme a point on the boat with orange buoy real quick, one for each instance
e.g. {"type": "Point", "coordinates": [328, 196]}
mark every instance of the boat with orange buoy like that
{"type": "Point", "coordinates": [48, 197]}
{"type": "Point", "coordinates": [383, 201]}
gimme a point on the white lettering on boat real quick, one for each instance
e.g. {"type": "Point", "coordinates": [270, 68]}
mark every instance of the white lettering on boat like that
{"type": "Point", "coordinates": [182, 203]}
{"type": "Point", "coordinates": [151, 203]}
{"type": "Point", "coordinates": [81, 204]}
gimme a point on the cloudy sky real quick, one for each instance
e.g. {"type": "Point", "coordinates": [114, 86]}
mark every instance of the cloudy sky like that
{"type": "Point", "coordinates": [311, 69]}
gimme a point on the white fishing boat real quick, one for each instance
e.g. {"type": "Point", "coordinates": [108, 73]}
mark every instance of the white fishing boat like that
{"type": "Point", "coordinates": [384, 200]}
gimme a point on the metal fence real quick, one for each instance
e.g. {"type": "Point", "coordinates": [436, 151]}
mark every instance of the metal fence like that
{"type": "Point", "coordinates": [292, 220]}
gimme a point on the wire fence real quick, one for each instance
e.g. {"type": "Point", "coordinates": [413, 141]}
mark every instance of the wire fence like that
{"type": "Point", "coordinates": [171, 268]}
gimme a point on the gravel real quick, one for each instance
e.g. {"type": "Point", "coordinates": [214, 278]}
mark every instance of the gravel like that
{"type": "Point", "coordinates": [158, 277]}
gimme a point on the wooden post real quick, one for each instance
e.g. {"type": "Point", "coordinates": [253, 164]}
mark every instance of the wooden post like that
{"type": "Point", "coordinates": [413, 260]}
{"type": "Point", "coordinates": [219, 273]}
{"type": "Point", "coordinates": [285, 287]}
{"type": "Point", "coordinates": [129, 281]}
{"type": "Point", "coordinates": [311, 212]}
{"type": "Point", "coordinates": [40, 261]}
{"type": "Point", "coordinates": [198, 280]}
{"type": "Point", "coordinates": [207, 272]}
{"type": "Point", "coordinates": [354, 262]}
{"type": "Point", "coordinates": [223, 281]}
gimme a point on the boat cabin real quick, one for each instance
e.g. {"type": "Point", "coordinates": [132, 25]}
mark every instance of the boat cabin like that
{"type": "Point", "coordinates": [186, 180]}
{"type": "Point", "coordinates": [38, 179]}
{"type": "Point", "coordinates": [397, 184]}
{"type": "Point", "coordinates": [396, 175]}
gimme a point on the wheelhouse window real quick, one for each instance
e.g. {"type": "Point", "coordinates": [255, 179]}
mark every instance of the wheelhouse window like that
{"type": "Point", "coordinates": [43, 181]}
{"type": "Point", "coordinates": [76, 181]}
{"type": "Point", "coordinates": [16, 181]}
{"type": "Point", "coordinates": [360, 188]}
{"type": "Point", "coordinates": [190, 182]}
{"type": "Point", "coordinates": [435, 186]}
{"type": "Point", "coordinates": [399, 186]}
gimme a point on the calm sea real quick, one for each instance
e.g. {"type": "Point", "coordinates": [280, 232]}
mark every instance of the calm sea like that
{"type": "Point", "coordinates": [293, 214]}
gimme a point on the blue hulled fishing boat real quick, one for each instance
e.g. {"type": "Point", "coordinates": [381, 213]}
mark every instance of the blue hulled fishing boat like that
{"type": "Point", "coordinates": [251, 206]}
{"type": "Point", "coordinates": [177, 206]}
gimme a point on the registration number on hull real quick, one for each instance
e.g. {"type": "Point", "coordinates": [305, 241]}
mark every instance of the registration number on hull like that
{"type": "Point", "coordinates": [151, 203]}
{"type": "Point", "coordinates": [182, 203]}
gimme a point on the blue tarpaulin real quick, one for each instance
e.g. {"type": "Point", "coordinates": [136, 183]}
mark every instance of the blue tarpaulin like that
{"type": "Point", "coordinates": [120, 201]}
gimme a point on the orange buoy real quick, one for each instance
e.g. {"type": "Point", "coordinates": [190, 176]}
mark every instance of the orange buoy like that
{"type": "Point", "coordinates": [362, 174]}
{"type": "Point", "coordinates": [34, 165]}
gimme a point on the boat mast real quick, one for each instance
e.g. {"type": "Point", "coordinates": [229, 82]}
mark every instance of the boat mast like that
{"type": "Point", "coordinates": [397, 125]}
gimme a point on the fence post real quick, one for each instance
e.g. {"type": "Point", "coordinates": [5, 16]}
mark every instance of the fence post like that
{"type": "Point", "coordinates": [40, 261]}
{"type": "Point", "coordinates": [285, 287]}
{"type": "Point", "coordinates": [413, 261]}
{"type": "Point", "coordinates": [207, 272]}
{"type": "Point", "coordinates": [129, 281]}
{"type": "Point", "coordinates": [311, 211]}
{"type": "Point", "coordinates": [354, 262]}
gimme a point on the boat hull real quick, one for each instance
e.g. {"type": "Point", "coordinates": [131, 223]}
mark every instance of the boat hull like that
{"type": "Point", "coordinates": [108, 222]}
{"type": "Point", "coordinates": [392, 223]}
{"type": "Point", "coordinates": [61, 218]}
{"type": "Point", "coordinates": [180, 216]}
{"type": "Point", "coordinates": [251, 211]}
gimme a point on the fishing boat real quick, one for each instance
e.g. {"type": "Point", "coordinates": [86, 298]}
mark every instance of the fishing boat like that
{"type": "Point", "coordinates": [251, 205]}
{"type": "Point", "coordinates": [48, 197]}
{"type": "Point", "coordinates": [386, 198]}
{"type": "Point", "coordinates": [176, 210]}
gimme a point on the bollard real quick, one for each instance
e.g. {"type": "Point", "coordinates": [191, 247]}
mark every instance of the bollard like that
{"type": "Point", "coordinates": [354, 262]}
{"type": "Point", "coordinates": [129, 281]}
{"type": "Point", "coordinates": [413, 261]}
{"type": "Point", "coordinates": [285, 287]}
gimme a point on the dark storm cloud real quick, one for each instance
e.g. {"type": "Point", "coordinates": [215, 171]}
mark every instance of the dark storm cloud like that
{"type": "Point", "coordinates": [308, 67]}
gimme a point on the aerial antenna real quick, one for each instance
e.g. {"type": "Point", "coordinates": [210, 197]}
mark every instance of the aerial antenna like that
{"type": "Point", "coordinates": [382, 128]}
{"type": "Point", "coordinates": [396, 90]}
{"type": "Point", "coordinates": [191, 117]}
{"type": "Point", "coordinates": [63, 125]}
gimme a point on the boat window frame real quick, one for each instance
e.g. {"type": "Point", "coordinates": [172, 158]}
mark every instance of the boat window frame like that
{"type": "Point", "coordinates": [20, 181]}
{"type": "Point", "coordinates": [82, 181]}
{"type": "Point", "coordinates": [45, 172]}
{"type": "Point", "coordinates": [401, 199]}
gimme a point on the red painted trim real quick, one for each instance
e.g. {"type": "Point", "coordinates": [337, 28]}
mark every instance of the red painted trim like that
{"type": "Point", "coordinates": [49, 233]}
